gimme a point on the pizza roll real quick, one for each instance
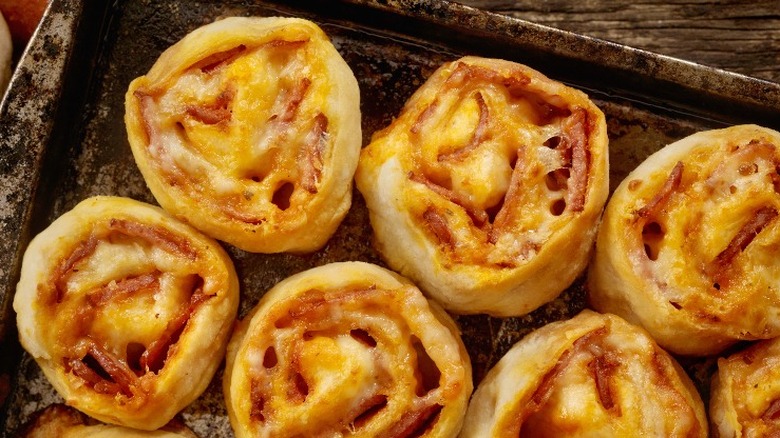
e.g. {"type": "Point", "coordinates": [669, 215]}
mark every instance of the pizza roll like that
{"type": "Point", "coordinates": [592, 375]}
{"type": "Point", "coordinates": [688, 244]}
{"type": "Point", "coordinates": [745, 393]}
{"type": "Point", "coordinates": [61, 421]}
{"type": "Point", "coordinates": [126, 310]}
{"type": "Point", "coordinates": [249, 129]}
{"type": "Point", "coordinates": [346, 349]}
{"type": "Point", "coordinates": [487, 189]}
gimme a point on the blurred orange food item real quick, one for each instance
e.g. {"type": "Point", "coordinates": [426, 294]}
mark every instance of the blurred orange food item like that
{"type": "Point", "coordinates": [22, 17]}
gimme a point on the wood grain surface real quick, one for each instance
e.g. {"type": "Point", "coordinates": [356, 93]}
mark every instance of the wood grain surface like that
{"type": "Point", "coordinates": [739, 36]}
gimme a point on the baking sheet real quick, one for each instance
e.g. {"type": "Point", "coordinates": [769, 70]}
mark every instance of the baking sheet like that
{"type": "Point", "coordinates": [62, 136]}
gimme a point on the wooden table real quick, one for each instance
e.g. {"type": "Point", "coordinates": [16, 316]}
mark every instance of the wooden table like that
{"type": "Point", "coordinates": [741, 36]}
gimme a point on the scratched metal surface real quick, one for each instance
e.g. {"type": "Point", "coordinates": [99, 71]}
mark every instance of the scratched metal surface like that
{"type": "Point", "coordinates": [62, 136]}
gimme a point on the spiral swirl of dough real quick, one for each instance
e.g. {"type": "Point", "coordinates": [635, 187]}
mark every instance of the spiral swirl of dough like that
{"type": "Point", "coordinates": [593, 375]}
{"type": "Point", "coordinates": [61, 421]}
{"type": "Point", "coordinates": [689, 242]}
{"type": "Point", "coordinates": [745, 393]}
{"type": "Point", "coordinates": [249, 129]}
{"type": "Point", "coordinates": [126, 310]}
{"type": "Point", "coordinates": [346, 349]}
{"type": "Point", "coordinates": [486, 190]}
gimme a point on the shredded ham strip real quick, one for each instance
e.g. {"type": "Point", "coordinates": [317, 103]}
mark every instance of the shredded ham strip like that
{"type": "Point", "coordinates": [720, 267]}
{"type": "Point", "coordinates": [542, 393]}
{"type": "Point", "coordinates": [423, 117]}
{"type": "Point", "coordinates": [313, 306]}
{"type": "Point", "coordinates": [213, 113]}
{"type": "Point", "coordinates": [662, 197]}
{"type": "Point", "coordinates": [772, 413]}
{"type": "Point", "coordinates": [413, 423]}
{"type": "Point", "coordinates": [122, 378]}
{"type": "Point", "coordinates": [438, 226]}
{"type": "Point", "coordinates": [217, 60]}
{"type": "Point", "coordinates": [153, 359]}
{"type": "Point", "coordinates": [477, 215]}
{"type": "Point", "coordinates": [310, 155]}
{"type": "Point", "coordinates": [60, 274]}
{"type": "Point", "coordinates": [366, 409]}
{"type": "Point", "coordinates": [480, 133]}
{"type": "Point", "coordinates": [120, 289]}
{"type": "Point", "coordinates": [575, 140]}
{"type": "Point", "coordinates": [292, 98]}
{"type": "Point", "coordinates": [505, 215]}
{"type": "Point", "coordinates": [155, 235]}
{"type": "Point", "coordinates": [602, 368]}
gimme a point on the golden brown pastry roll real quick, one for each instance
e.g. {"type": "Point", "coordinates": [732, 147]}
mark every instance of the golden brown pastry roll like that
{"type": "Point", "coordinates": [689, 242]}
{"type": "Point", "coordinates": [593, 375]}
{"type": "Point", "coordinates": [126, 310]}
{"type": "Point", "coordinates": [487, 189]}
{"type": "Point", "coordinates": [60, 421]}
{"type": "Point", "coordinates": [346, 349]}
{"type": "Point", "coordinates": [745, 395]}
{"type": "Point", "coordinates": [249, 129]}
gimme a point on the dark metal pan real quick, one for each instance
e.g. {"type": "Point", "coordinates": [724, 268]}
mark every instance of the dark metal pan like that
{"type": "Point", "coordinates": [62, 135]}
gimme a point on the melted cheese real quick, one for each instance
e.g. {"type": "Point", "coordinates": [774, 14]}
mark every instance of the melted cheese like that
{"type": "Point", "coordinates": [238, 110]}
{"type": "Point", "coordinates": [549, 384]}
{"type": "Point", "coordinates": [105, 284]}
{"type": "Point", "coordinates": [473, 191]}
{"type": "Point", "coordinates": [341, 349]}
{"type": "Point", "coordinates": [743, 390]}
{"type": "Point", "coordinates": [701, 272]}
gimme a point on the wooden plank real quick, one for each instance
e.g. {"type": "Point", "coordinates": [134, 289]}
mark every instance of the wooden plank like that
{"type": "Point", "coordinates": [740, 36]}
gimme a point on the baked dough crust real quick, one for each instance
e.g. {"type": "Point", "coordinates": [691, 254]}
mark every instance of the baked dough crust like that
{"type": "Point", "coordinates": [126, 310]}
{"type": "Point", "coordinates": [346, 349]}
{"type": "Point", "coordinates": [249, 129]}
{"type": "Point", "coordinates": [60, 421]}
{"type": "Point", "coordinates": [688, 245]}
{"type": "Point", "coordinates": [592, 375]}
{"type": "Point", "coordinates": [487, 189]}
{"type": "Point", "coordinates": [745, 393]}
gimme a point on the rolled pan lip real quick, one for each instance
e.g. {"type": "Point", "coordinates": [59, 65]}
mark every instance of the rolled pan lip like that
{"type": "Point", "coordinates": [28, 114]}
{"type": "Point", "coordinates": [636, 74]}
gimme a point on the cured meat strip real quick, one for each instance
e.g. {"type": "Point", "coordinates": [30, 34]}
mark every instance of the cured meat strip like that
{"type": "Point", "coordinates": [155, 235]}
{"type": "Point", "coordinates": [310, 156]}
{"type": "Point", "coordinates": [153, 359]}
{"type": "Point", "coordinates": [59, 276]}
{"type": "Point", "coordinates": [216, 60]}
{"type": "Point", "coordinates": [477, 215]}
{"type": "Point", "coordinates": [575, 139]}
{"type": "Point", "coordinates": [719, 268]}
{"type": "Point", "coordinates": [413, 423]}
{"type": "Point", "coordinates": [214, 113]}
{"type": "Point", "coordinates": [437, 224]}
{"type": "Point", "coordinates": [662, 197]}
{"type": "Point", "coordinates": [117, 376]}
{"type": "Point", "coordinates": [120, 289]}
{"type": "Point", "coordinates": [479, 135]}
